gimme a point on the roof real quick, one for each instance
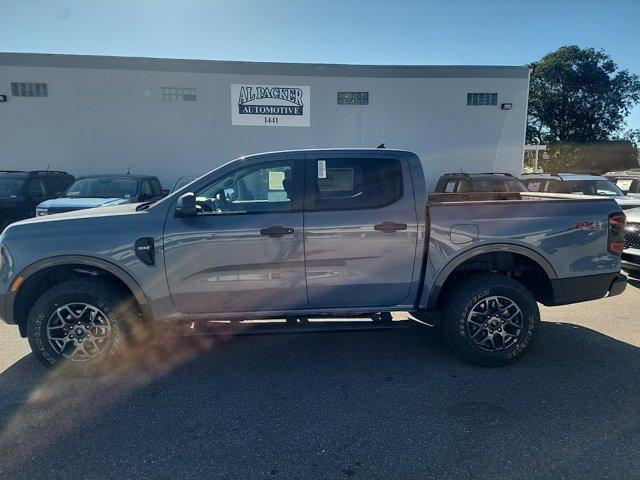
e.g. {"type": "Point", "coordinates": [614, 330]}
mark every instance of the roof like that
{"type": "Point", "coordinates": [562, 176]}
{"type": "Point", "coordinates": [478, 174]}
{"type": "Point", "coordinates": [633, 173]}
{"type": "Point", "coordinates": [23, 173]}
{"type": "Point", "coordinates": [119, 175]}
{"type": "Point", "coordinates": [260, 68]}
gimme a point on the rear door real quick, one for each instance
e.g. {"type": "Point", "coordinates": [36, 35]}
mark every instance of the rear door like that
{"type": "Point", "coordinates": [360, 230]}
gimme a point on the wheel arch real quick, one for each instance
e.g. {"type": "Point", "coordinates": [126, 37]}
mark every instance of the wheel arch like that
{"type": "Point", "coordinates": [31, 272]}
{"type": "Point", "coordinates": [437, 291]}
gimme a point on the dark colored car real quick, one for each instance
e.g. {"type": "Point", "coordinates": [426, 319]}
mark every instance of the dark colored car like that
{"type": "Point", "coordinates": [628, 180]}
{"type": "Point", "coordinates": [479, 182]}
{"type": "Point", "coordinates": [101, 190]}
{"type": "Point", "coordinates": [21, 192]}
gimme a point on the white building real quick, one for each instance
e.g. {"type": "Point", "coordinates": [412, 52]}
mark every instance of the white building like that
{"type": "Point", "coordinates": [90, 114]}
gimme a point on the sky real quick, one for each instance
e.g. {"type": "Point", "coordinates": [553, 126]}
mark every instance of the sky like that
{"type": "Point", "coordinates": [446, 32]}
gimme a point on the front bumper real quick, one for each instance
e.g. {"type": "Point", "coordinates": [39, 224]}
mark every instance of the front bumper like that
{"type": "Point", "coordinates": [589, 287]}
{"type": "Point", "coordinates": [631, 259]}
{"type": "Point", "coordinates": [3, 301]}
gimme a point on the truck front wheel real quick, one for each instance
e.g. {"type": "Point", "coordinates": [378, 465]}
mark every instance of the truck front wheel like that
{"type": "Point", "coordinates": [78, 325]}
{"type": "Point", "coordinates": [490, 319]}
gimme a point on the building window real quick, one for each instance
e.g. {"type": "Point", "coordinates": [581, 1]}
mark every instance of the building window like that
{"type": "Point", "coordinates": [482, 98]}
{"type": "Point", "coordinates": [170, 94]}
{"type": "Point", "coordinates": [29, 89]}
{"type": "Point", "coordinates": [353, 98]}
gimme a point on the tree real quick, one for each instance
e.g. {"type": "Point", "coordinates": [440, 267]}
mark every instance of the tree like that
{"type": "Point", "coordinates": [579, 95]}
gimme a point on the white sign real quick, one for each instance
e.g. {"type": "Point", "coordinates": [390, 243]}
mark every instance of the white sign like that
{"type": "Point", "coordinates": [270, 105]}
{"type": "Point", "coordinates": [322, 169]}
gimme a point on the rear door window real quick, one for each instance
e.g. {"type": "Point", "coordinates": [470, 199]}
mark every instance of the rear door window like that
{"type": "Point", "coordinates": [156, 188]}
{"type": "Point", "coordinates": [533, 185]}
{"type": "Point", "coordinates": [354, 183]}
{"type": "Point", "coordinates": [53, 185]}
{"type": "Point", "coordinates": [36, 188]}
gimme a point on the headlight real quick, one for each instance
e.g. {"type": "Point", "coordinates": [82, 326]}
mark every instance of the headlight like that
{"type": "Point", "coordinates": [41, 211]}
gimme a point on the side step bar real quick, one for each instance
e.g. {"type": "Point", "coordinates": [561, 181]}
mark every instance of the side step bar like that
{"type": "Point", "coordinates": [271, 327]}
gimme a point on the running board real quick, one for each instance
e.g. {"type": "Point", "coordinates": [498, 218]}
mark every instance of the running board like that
{"type": "Point", "coordinates": [258, 327]}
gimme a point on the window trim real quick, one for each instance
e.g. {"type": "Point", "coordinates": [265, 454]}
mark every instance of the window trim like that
{"type": "Point", "coordinates": [297, 202]}
{"type": "Point", "coordinates": [311, 196]}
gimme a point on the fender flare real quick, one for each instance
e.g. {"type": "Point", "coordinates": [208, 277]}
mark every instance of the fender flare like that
{"type": "Point", "coordinates": [435, 292]}
{"type": "Point", "coordinates": [85, 260]}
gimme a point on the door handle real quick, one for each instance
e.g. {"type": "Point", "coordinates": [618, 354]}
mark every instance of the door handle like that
{"type": "Point", "coordinates": [389, 227]}
{"type": "Point", "coordinates": [276, 231]}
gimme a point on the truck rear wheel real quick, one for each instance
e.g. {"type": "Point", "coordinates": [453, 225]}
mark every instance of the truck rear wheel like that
{"type": "Point", "coordinates": [78, 325]}
{"type": "Point", "coordinates": [490, 320]}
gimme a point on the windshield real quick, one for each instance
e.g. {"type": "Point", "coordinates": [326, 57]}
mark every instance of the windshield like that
{"type": "Point", "coordinates": [593, 187]}
{"type": "Point", "coordinates": [10, 187]}
{"type": "Point", "coordinates": [498, 185]}
{"type": "Point", "coordinates": [102, 187]}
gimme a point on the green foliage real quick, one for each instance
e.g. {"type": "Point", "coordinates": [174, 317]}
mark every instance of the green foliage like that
{"type": "Point", "coordinates": [579, 95]}
{"type": "Point", "coordinates": [586, 157]}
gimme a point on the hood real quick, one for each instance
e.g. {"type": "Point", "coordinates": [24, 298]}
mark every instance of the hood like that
{"type": "Point", "coordinates": [627, 201]}
{"type": "Point", "coordinates": [66, 204]}
{"type": "Point", "coordinates": [633, 215]}
{"type": "Point", "coordinates": [122, 209]}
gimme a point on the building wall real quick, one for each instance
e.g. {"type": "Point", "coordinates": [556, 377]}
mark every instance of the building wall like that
{"type": "Point", "coordinates": [98, 120]}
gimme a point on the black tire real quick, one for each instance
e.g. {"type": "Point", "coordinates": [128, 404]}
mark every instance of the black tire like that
{"type": "Point", "coordinates": [102, 309]}
{"type": "Point", "coordinates": [478, 317]}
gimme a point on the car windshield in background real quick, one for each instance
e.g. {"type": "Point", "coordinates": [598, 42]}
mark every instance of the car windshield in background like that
{"type": "Point", "coordinates": [498, 185]}
{"type": "Point", "coordinates": [102, 187]}
{"type": "Point", "coordinates": [593, 187]}
{"type": "Point", "coordinates": [10, 187]}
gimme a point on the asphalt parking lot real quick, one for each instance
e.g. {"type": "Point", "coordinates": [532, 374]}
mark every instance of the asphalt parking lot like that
{"type": "Point", "coordinates": [381, 404]}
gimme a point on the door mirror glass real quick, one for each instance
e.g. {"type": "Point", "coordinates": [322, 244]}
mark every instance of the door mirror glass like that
{"type": "Point", "coordinates": [186, 205]}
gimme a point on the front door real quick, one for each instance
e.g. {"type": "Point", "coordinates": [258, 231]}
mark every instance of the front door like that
{"type": "Point", "coordinates": [360, 231]}
{"type": "Point", "coordinates": [243, 252]}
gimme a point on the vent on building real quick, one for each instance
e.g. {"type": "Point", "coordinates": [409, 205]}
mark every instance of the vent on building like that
{"type": "Point", "coordinates": [170, 94]}
{"type": "Point", "coordinates": [482, 98]}
{"type": "Point", "coordinates": [353, 98]}
{"type": "Point", "coordinates": [29, 89]}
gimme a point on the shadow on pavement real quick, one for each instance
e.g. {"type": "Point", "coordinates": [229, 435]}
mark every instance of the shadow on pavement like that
{"type": "Point", "coordinates": [373, 405]}
{"type": "Point", "coordinates": [633, 282]}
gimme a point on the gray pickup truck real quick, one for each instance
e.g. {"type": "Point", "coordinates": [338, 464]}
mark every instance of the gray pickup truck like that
{"type": "Point", "coordinates": [308, 234]}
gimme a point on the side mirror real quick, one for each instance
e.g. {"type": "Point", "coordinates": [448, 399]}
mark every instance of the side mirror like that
{"type": "Point", "coordinates": [186, 205]}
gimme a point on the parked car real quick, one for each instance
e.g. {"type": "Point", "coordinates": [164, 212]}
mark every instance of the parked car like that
{"type": "Point", "coordinates": [21, 192]}
{"type": "Point", "coordinates": [100, 190]}
{"type": "Point", "coordinates": [478, 182]}
{"type": "Point", "coordinates": [578, 184]}
{"type": "Point", "coordinates": [317, 233]}
{"type": "Point", "coordinates": [628, 180]}
{"type": "Point", "coordinates": [631, 253]}
{"type": "Point", "coordinates": [181, 182]}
